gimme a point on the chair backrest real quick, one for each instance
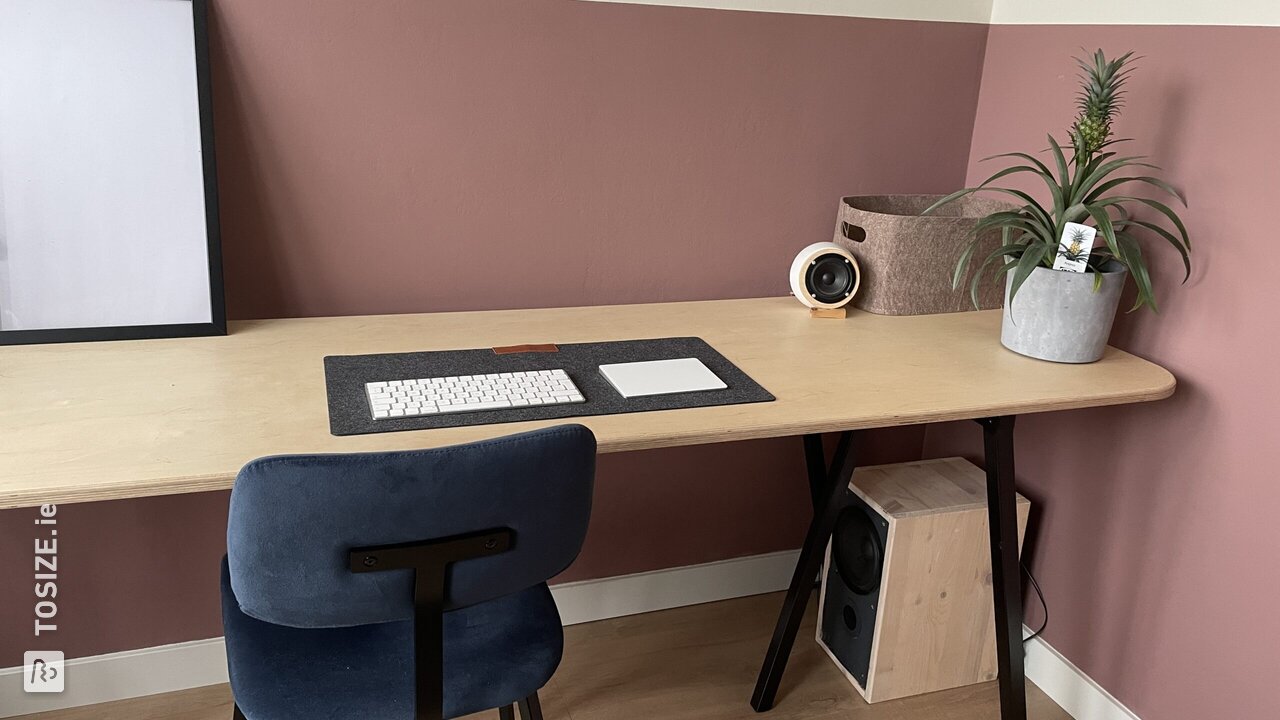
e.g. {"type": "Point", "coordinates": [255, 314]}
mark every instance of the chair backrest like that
{"type": "Point", "coordinates": [294, 519]}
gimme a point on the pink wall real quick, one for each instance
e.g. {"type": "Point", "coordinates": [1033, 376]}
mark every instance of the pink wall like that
{"type": "Point", "coordinates": [1157, 529]}
{"type": "Point", "coordinates": [401, 155]}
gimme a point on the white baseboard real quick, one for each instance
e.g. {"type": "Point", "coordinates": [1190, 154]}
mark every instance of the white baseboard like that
{"type": "Point", "coordinates": [117, 676]}
{"type": "Point", "coordinates": [592, 600]}
{"type": "Point", "coordinates": [1067, 685]}
{"type": "Point", "coordinates": [169, 668]}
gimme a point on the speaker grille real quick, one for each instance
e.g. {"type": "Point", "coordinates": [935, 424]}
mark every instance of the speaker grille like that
{"type": "Point", "coordinates": [830, 278]}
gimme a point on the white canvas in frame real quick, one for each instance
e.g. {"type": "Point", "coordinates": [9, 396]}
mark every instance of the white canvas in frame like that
{"type": "Point", "coordinates": [102, 174]}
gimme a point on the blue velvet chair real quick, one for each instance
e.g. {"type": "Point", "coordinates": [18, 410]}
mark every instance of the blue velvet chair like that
{"type": "Point", "coordinates": [395, 585]}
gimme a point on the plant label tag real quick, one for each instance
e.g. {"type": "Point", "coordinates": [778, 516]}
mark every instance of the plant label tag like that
{"type": "Point", "coordinates": [1074, 248]}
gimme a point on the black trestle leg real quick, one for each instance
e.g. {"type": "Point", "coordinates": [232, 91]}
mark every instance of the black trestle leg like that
{"type": "Point", "coordinates": [1002, 516]}
{"type": "Point", "coordinates": [507, 712]}
{"type": "Point", "coordinates": [236, 714]}
{"type": "Point", "coordinates": [815, 461]}
{"type": "Point", "coordinates": [530, 708]}
{"type": "Point", "coordinates": [828, 505]}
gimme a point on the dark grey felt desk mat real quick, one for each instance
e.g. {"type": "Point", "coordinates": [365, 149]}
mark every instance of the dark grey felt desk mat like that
{"type": "Point", "coordinates": [346, 375]}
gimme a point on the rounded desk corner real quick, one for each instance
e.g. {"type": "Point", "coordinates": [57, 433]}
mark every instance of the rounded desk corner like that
{"type": "Point", "coordinates": [1168, 386]}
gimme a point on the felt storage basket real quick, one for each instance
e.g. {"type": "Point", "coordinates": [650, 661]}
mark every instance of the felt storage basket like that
{"type": "Point", "coordinates": [907, 260]}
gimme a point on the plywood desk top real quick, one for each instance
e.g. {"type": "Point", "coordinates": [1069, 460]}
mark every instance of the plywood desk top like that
{"type": "Point", "coordinates": [100, 421]}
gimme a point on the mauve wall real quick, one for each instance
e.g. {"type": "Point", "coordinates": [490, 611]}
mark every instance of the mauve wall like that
{"type": "Point", "coordinates": [397, 156]}
{"type": "Point", "coordinates": [1157, 528]}
{"type": "Point", "coordinates": [409, 156]}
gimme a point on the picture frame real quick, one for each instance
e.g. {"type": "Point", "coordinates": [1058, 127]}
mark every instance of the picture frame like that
{"type": "Point", "coordinates": [211, 323]}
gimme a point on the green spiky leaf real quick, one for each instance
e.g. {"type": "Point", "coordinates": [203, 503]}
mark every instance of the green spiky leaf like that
{"type": "Point", "coordinates": [1080, 177]}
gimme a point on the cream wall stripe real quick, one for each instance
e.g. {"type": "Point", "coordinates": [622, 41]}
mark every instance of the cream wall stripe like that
{"type": "Point", "coordinates": [1136, 12]}
{"type": "Point", "coordinates": [1013, 12]}
{"type": "Point", "coordinates": [969, 11]}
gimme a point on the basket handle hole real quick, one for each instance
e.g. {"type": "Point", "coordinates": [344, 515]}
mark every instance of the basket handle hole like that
{"type": "Point", "coordinates": [853, 232]}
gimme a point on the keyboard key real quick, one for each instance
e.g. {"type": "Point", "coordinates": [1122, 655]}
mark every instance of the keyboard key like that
{"type": "Point", "coordinates": [473, 407]}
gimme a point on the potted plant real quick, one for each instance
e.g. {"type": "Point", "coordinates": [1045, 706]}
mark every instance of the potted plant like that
{"type": "Point", "coordinates": [1061, 315]}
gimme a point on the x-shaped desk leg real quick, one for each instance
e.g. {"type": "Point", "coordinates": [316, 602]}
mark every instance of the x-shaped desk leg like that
{"type": "Point", "coordinates": [829, 484]}
{"type": "Point", "coordinates": [828, 501]}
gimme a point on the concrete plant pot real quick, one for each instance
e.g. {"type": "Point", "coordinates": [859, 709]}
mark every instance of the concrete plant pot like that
{"type": "Point", "coordinates": [1057, 315]}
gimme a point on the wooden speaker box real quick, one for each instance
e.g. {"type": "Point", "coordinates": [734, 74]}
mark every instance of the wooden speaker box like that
{"type": "Point", "coordinates": [905, 606]}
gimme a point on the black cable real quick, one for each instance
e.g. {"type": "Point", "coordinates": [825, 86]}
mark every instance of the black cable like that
{"type": "Point", "coordinates": [1043, 604]}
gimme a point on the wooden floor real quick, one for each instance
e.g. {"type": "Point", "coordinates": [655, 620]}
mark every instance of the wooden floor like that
{"type": "Point", "coordinates": [695, 663]}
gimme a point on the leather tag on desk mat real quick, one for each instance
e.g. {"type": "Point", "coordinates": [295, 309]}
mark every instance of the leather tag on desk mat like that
{"type": "Point", "coordinates": [346, 375]}
{"type": "Point", "coordinates": [512, 349]}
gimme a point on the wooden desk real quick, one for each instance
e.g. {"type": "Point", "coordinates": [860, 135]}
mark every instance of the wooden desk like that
{"type": "Point", "coordinates": [101, 421]}
{"type": "Point", "coordinates": [128, 419]}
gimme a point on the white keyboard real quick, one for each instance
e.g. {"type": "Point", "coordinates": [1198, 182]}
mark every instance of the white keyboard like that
{"type": "Point", "coordinates": [470, 393]}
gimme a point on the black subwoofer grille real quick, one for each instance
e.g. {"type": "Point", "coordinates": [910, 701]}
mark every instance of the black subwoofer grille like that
{"type": "Point", "coordinates": [851, 591]}
{"type": "Point", "coordinates": [858, 551]}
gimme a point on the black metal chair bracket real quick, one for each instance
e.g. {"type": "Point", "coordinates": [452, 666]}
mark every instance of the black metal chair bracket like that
{"type": "Point", "coordinates": [429, 561]}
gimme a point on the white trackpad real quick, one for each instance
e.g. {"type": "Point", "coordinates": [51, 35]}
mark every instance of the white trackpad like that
{"type": "Point", "coordinates": [661, 377]}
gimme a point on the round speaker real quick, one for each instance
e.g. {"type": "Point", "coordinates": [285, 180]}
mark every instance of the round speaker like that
{"type": "Point", "coordinates": [825, 275]}
{"type": "Point", "coordinates": [857, 551]}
